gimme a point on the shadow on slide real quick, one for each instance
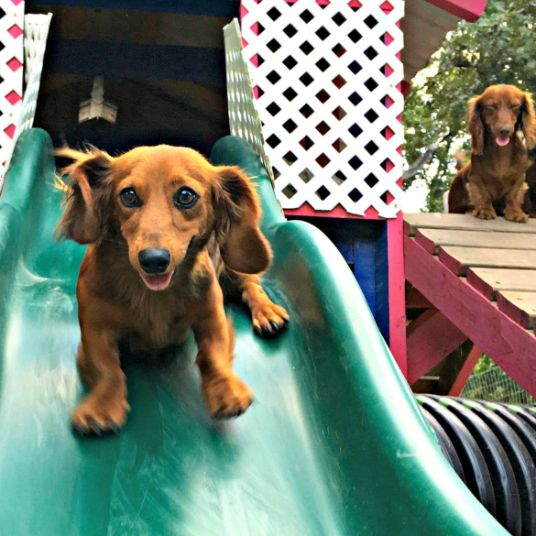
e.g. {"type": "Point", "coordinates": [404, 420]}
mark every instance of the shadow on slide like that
{"type": "Point", "coordinates": [334, 444]}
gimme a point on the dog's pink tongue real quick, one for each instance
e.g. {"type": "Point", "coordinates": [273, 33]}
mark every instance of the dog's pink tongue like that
{"type": "Point", "coordinates": [502, 142]}
{"type": "Point", "coordinates": [157, 282]}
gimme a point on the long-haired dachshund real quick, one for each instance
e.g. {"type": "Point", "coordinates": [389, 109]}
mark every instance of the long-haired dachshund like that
{"type": "Point", "coordinates": [161, 224]}
{"type": "Point", "coordinates": [502, 125]}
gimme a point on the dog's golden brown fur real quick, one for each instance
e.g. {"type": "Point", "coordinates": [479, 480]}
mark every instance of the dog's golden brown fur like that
{"type": "Point", "coordinates": [502, 125]}
{"type": "Point", "coordinates": [160, 224]}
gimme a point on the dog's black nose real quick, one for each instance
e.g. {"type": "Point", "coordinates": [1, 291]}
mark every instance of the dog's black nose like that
{"type": "Point", "coordinates": [154, 261]}
{"type": "Point", "coordinates": [504, 132]}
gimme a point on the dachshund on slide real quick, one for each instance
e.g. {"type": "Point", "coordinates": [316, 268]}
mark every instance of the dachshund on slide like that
{"type": "Point", "coordinates": [161, 223]}
{"type": "Point", "coordinates": [502, 125]}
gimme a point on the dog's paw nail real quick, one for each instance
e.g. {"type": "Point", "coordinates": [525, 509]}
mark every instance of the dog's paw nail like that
{"type": "Point", "coordinates": [114, 427]}
{"type": "Point", "coordinates": [95, 428]}
{"type": "Point", "coordinates": [80, 429]}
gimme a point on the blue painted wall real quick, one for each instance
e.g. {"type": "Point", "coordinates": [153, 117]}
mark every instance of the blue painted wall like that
{"type": "Point", "coordinates": [363, 243]}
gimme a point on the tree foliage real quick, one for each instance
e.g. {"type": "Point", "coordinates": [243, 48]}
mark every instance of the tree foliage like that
{"type": "Point", "coordinates": [499, 48]}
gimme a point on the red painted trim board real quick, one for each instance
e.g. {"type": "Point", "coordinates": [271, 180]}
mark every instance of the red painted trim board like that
{"type": "Point", "coordinates": [518, 315]}
{"type": "Point", "coordinates": [507, 343]}
{"type": "Point", "coordinates": [426, 243]}
{"type": "Point", "coordinates": [452, 263]}
{"type": "Point", "coordinates": [482, 286]}
{"type": "Point", "coordinates": [397, 298]}
{"type": "Point", "coordinates": [469, 10]}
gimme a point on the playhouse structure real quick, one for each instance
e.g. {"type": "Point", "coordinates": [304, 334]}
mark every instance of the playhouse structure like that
{"type": "Point", "coordinates": [312, 92]}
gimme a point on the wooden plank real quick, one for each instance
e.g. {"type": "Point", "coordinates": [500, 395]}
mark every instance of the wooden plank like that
{"type": "Point", "coordinates": [519, 306]}
{"type": "Point", "coordinates": [396, 290]}
{"type": "Point", "coordinates": [458, 259]}
{"type": "Point", "coordinates": [431, 338]}
{"type": "Point", "coordinates": [489, 280]}
{"type": "Point", "coordinates": [433, 220]}
{"type": "Point", "coordinates": [432, 239]}
{"type": "Point", "coordinates": [506, 342]}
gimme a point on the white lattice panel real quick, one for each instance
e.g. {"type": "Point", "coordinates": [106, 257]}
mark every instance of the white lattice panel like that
{"type": "Point", "coordinates": [327, 75]}
{"type": "Point", "coordinates": [35, 38]}
{"type": "Point", "coordinates": [244, 119]}
{"type": "Point", "coordinates": [11, 61]}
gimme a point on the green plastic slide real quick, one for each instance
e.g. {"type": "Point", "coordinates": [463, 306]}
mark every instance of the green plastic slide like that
{"type": "Point", "coordinates": [333, 445]}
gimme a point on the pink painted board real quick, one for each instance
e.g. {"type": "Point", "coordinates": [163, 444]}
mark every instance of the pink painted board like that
{"type": "Point", "coordinates": [479, 284]}
{"type": "Point", "coordinates": [469, 10]}
{"type": "Point", "coordinates": [397, 305]}
{"type": "Point", "coordinates": [431, 338]}
{"type": "Point", "coordinates": [425, 242]}
{"type": "Point", "coordinates": [519, 306]}
{"type": "Point", "coordinates": [451, 262]}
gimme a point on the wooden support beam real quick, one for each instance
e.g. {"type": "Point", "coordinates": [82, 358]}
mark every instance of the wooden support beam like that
{"type": "Point", "coordinates": [465, 371]}
{"type": "Point", "coordinates": [431, 338]}
{"type": "Point", "coordinates": [510, 346]}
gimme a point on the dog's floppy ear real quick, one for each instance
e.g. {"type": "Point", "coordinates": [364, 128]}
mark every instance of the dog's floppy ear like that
{"type": "Point", "coordinates": [87, 192]}
{"type": "Point", "coordinates": [243, 246]}
{"type": "Point", "coordinates": [528, 121]}
{"type": "Point", "coordinates": [475, 125]}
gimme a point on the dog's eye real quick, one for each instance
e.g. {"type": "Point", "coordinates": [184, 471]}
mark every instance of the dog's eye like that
{"type": "Point", "coordinates": [130, 198]}
{"type": "Point", "coordinates": [185, 198]}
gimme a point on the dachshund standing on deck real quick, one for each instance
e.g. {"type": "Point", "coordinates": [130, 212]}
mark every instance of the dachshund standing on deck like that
{"type": "Point", "coordinates": [502, 125]}
{"type": "Point", "coordinates": [161, 224]}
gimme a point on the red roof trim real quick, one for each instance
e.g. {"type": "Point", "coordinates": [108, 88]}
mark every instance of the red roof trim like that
{"type": "Point", "coordinates": [469, 10]}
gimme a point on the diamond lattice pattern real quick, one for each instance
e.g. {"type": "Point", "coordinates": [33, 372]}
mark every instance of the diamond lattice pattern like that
{"type": "Point", "coordinates": [11, 68]}
{"type": "Point", "coordinates": [327, 78]}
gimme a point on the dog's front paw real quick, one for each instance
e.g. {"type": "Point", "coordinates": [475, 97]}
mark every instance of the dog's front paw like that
{"type": "Point", "coordinates": [485, 213]}
{"type": "Point", "coordinates": [269, 319]}
{"type": "Point", "coordinates": [95, 416]}
{"type": "Point", "coordinates": [515, 215]}
{"type": "Point", "coordinates": [226, 396]}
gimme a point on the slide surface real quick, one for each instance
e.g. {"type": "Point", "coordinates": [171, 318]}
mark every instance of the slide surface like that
{"type": "Point", "coordinates": [333, 445]}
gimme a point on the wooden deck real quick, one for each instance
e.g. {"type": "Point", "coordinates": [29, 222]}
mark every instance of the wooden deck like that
{"type": "Point", "coordinates": [480, 276]}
